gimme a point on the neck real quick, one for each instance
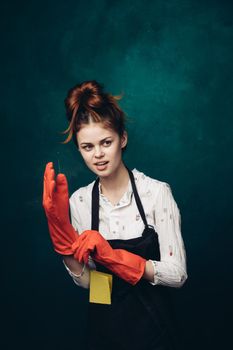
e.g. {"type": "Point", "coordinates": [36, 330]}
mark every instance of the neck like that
{"type": "Point", "coordinates": [116, 181]}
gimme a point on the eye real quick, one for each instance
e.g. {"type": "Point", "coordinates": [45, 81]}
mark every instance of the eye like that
{"type": "Point", "coordinates": [107, 143]}
{"type": "Point", "coordinates": [87, 147]}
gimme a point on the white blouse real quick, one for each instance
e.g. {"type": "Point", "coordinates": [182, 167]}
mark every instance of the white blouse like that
{"type": "Point", "coordinates": [123, 221]}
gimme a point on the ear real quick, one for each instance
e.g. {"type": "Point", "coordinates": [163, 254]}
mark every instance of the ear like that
{"type": "Point", "coordinates": [124, 139]}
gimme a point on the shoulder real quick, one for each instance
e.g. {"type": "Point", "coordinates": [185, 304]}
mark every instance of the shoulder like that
{"type": "Point", "coordinates": [147, 183]}
{"type": "Point", "coordinates": [159, 191]}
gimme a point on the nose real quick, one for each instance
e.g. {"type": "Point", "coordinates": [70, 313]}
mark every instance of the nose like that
{"type": "Point", "coordinates": [99, 152]}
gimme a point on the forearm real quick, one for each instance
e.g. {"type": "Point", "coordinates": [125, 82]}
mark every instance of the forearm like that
{"type": "Point", "coordinates": [169, 273]}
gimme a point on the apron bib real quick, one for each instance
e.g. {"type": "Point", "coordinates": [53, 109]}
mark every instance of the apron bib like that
{"type": "Point", "coordinates": [139, 316]}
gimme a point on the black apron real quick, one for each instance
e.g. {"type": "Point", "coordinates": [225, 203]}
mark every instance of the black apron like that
{"type": "Point", "coordinates": [139, 315]}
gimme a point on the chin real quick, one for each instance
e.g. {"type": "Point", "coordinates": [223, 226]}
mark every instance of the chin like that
{"type": "Point", "coordinates": [104, 173]}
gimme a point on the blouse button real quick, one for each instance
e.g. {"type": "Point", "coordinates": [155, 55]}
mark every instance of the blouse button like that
{"type": "Point", "coordinates": [137, 217]}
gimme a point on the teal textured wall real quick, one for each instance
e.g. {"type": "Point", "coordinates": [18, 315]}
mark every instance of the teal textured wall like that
{"type": "Point", "coordinates": [173, 61]}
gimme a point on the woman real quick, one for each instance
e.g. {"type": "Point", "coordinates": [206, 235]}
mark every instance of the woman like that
{"type": "Point", "coordinates": [124, 223]}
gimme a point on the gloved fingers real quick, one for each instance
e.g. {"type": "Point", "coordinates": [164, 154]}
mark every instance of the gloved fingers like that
{"type": "Point", "coordinates": [48, 166]}
{"type": "Point", "coordinates": [51, 189]}
{"type": "Point", "coordinates": [84, 248]}
{"type": "Point", "coordinates": [81, 256]}
{"type": "Point", "coordinates": [45, 182]}
{"type": "Point", "coordinates": [47, 186]}
{"type": "Point", "coordinates": [62, 185]}
{"type": "Point", "coordinates": [45, 195]}
{"type": "Point", "coordinates": [77, 242]}
{"type": "Point", "coordinates": [49, 181]}
{"type": "Point", "coordinates": [75, 247]}
{"type": "Point", "coordinates": [49, 172]}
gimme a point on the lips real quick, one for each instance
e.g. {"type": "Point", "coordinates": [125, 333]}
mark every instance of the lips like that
{"type": "Point", "coordinates": [101, 163]}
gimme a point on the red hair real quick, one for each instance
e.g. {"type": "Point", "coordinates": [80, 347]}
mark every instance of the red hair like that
{"type": "Point", "coordinates": [88, 102]}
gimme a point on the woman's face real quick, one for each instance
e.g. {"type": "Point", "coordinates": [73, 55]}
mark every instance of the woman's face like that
{"type": "Point", "coordinates": [101, 148]}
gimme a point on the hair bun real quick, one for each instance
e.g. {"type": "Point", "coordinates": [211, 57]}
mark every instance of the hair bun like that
{"type": "Point", "coordinates": [90, 95]}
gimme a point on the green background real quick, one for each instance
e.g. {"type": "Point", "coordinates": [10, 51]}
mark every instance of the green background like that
{"type": "Point", "coordinates": [173, 62]}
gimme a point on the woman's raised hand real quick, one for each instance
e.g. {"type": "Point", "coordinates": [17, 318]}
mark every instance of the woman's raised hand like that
{"type": "Point", "coordinates": [56, 206]}
{"type": "Point", "coordinates": [55, 196]}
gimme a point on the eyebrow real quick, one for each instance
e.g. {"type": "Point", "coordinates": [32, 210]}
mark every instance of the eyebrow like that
{"type": "Point", "coordinates": [89, 143]}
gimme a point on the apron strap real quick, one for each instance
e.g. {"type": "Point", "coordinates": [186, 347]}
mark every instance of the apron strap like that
{"type": "Point", "coordinates": [95, 203]}
{"type": "Point", "coordinates": [95, 206]}
{"type": "Point", "coordinates": [137, 198]}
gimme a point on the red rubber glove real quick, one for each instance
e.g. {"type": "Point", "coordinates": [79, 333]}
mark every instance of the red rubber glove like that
{"type": "Point", "coordinates": [124, 264]}
{"type": "Point", "coordinates": [56, 206]}
{"type": "Point", "coordinates": [66, 241]}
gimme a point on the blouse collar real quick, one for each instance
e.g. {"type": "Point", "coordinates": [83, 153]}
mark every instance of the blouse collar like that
{"type": "Point", "coordinates": [125, 199]}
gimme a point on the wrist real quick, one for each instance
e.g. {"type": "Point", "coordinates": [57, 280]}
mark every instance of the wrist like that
{"type": "Point", "coordinates": [74, 267]}
{"type": "Point", "coordinates": [149, 271]}
{"type": "Point", "coordinates": [72, 274]}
